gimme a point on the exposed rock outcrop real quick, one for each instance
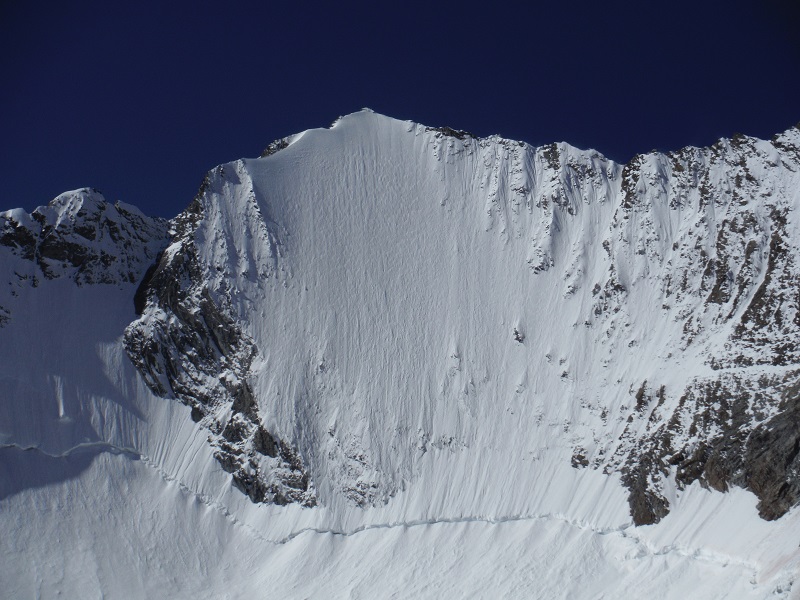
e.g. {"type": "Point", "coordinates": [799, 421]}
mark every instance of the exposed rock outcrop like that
{"type": "Point", "coordinates": [187, 345]}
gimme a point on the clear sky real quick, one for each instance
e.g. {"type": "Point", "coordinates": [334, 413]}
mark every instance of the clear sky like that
{"type": "Point", "coordinates": [140, 99]}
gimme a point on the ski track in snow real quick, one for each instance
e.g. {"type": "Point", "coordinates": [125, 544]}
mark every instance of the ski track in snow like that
{"type": "Point", "coordinates": [625, 531]}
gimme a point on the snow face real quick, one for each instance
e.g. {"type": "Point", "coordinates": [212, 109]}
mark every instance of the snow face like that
{"type": "Point", "coordinates": [487, 361]}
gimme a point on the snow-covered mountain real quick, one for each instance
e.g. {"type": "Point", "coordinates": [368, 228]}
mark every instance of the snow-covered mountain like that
{"type": "Point", "coordinates": [390, 360]}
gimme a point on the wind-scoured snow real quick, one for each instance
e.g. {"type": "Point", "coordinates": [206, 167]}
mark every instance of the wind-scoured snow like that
{"type": "Point", "coordinates": [476, 365]}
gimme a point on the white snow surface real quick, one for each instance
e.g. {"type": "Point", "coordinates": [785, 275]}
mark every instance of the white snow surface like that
{"type": "Point", "coordinates": [382, 269]}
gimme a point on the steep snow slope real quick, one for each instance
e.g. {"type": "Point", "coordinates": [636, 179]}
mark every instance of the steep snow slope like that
{"type": "Point", "coordinates": [474, 360]}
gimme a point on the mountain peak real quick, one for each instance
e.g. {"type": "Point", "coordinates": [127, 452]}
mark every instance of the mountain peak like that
{"type": "Point", "coordinates": [383, 336]}
{"type": "Point", "coordinates": [80, 235]}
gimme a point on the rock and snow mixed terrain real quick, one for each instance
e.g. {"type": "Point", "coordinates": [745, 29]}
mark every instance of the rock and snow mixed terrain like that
{"type": "Point", "coordinates": [389, 360]}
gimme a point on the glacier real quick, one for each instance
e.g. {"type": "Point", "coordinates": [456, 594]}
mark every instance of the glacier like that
{"type": "Point", "coordinates": [391, 360]}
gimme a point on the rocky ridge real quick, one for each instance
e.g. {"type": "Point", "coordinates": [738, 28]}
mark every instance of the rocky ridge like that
{"type": "Point", "coordinates": [189, 346]}
{"type": "Point", "coordinates": [739, 279]}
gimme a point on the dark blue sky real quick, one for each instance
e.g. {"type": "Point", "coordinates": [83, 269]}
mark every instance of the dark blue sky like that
{"type": "Point", "coordinates": [141, 99]}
